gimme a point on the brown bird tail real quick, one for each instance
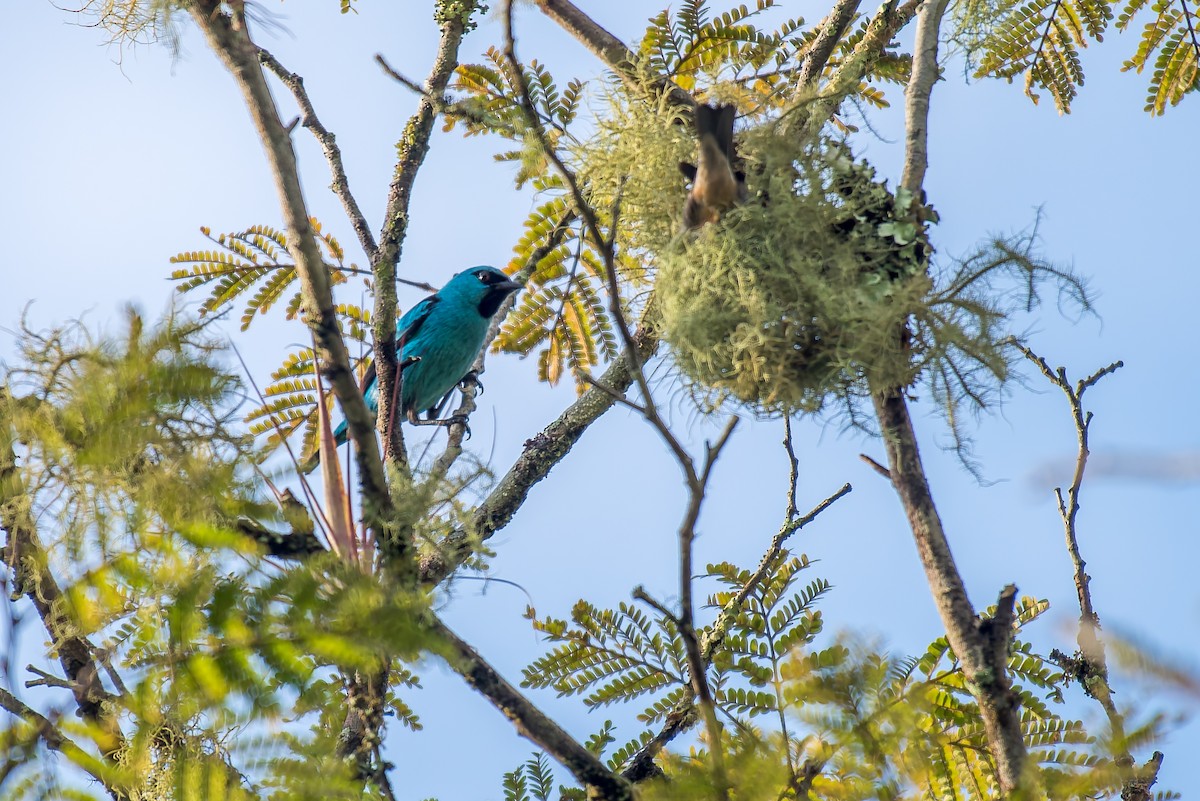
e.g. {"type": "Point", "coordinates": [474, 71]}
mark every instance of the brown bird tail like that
{"type": "Point", "coordinates": [718, 121]}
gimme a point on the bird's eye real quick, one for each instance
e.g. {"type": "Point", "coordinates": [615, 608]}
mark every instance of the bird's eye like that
{"type": "Point", "coordinates": [485, 276]}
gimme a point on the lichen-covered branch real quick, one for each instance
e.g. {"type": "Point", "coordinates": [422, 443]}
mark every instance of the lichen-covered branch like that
{"type": "Point", "coordinates": [542, 452]}
{"type": "Point", "coordinates": [225, 27]}
{"type": "Point", "coordinates": [454, 19]}
{"type": "Point", "coordinates": [831, 30]}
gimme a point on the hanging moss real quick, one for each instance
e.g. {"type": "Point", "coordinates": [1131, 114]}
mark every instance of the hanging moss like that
{"type": "Point", "coordinates": [803, 290]}
{"type": "Point", "coordinates": [819, 288]}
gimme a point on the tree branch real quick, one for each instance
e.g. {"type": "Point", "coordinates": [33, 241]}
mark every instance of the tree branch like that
{"type": "Point", "coordinates": [609, 49]}
{"type": "Point", "coordinates": [1090, 665]}
{"type": "Point", "coordinates": [333, 154]}
{"type": "Point", "coordinates": [453, 20]}
{"type": "Point", "coordinates": [531, 722]}
{"type": "Point", "coordinates": [832, 28]}
{"type": "Point", "coordinates": [980, 645]}
{"type": "Point", "coordinates": [984, 663]}
{"type": "Point", "coordinates": [542, 452]}
{"type": "Point", "coordinates": [229, 37]}
{"type": "Point", "coordinates": [32, 577]}
{"type": "Point", "coordinates": [925, 72]}
{"type": "Point", "coordinates": [55, 740]}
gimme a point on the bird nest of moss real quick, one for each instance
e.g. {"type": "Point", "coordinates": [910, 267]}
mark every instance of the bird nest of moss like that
{"type": "Point", "coordinates": [818, 287]}
{"type": "Point", "coordinates": [804, 290]}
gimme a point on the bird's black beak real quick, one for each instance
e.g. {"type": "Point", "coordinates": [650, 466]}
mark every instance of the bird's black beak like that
{"type": "Point", "coordinates": [496, 294]}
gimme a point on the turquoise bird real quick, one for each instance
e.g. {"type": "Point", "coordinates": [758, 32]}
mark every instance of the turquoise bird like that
{"type": "Point", "coordinates": [438, 340]}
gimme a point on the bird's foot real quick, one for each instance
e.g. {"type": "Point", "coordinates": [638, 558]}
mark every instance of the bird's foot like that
{"type": "Point", "coordinates": [472, 378]}
{"type": "Point", "coordinates": [452, 420]}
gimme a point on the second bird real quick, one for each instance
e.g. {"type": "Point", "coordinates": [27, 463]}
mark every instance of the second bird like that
{"type": "Point", "coordinates": [716, 185]}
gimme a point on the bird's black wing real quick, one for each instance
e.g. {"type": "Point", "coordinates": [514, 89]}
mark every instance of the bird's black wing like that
{"type": "Point", "coordinates": [406, 330]}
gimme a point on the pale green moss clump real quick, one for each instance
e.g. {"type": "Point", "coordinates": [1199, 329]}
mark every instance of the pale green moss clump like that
{"type": "Point", "coordinates": [818, 289]}
{"type": "Point", "coordinates": [804, 290]}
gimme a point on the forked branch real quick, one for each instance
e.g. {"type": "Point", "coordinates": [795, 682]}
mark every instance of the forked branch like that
{"type": "Point", "coordinates": [1090, 665]}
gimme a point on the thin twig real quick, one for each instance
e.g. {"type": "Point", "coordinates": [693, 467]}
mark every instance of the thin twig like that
{"type": "Point", "coordinates": [46, 679]}
{"type": "Point", "coordinates": [640, 594]}
{"type": "Point", "coordinates": [793, 468]}
{"type": "Point", "coordinates": [333, 154]}
{"type": "Point", "coordinates": [1090, 666]}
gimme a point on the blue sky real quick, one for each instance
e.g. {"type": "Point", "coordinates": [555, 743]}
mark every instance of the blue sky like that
{"type": "Point", "coordinates": [110, 169]}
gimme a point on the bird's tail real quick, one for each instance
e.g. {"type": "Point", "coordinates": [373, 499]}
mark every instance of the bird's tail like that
{"type": "Point", "coordinates": [314, 459]}
{"type": "Point", "coordinates": [718, 121]}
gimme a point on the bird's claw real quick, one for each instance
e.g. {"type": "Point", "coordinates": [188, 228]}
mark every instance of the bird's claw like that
{"type": "Point", "coordinates": [472, 378]}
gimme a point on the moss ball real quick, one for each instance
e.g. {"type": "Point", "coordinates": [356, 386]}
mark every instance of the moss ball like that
{"type": "Point", "coordinates": [801, 292]}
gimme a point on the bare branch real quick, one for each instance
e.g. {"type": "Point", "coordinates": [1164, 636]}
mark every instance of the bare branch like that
{"type": "Point", "coordinates": [925, 72]}
{"type": "Point", "coordinates": [46, 679]}
{"type": "Point", "coordinates": [876, 466]}
{"type": "Point", "coordinates": [881, 30]}
{"type": "Point", "coordinates": [531, 722]}
{"type": "Point", "coordinates": [609, 49]}
{"type": "Point", "coordinates": [985, 671]}
{"type": "Point", "coordinates": [333, 154]}
{"type": "Point", "coordinates": [1090, 666]}
{"type": "Point", "coordinates": [640, 594]}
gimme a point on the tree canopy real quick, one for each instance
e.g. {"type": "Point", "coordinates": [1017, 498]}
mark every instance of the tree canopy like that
{"type": "Point", "coordinates": [216, 625]}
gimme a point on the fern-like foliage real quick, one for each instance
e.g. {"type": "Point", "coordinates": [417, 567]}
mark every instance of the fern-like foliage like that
{"type": "Point", "coordinates": [1171, 41]}
{"type": "Point", "coordinates": [1042, 39]}
{"type": "Point", "coordinates": [131, 453]}
{"type": "Point", "coordinates": [255, 261]}
{"type": "Point", "coordinates": [252, 267]}
{"type": "Point", "coordinates": [870, 725]}
{"type": "Point", "coordinates": [773, 621]}
{"type": "Point", "coordinates": [610, 657]}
